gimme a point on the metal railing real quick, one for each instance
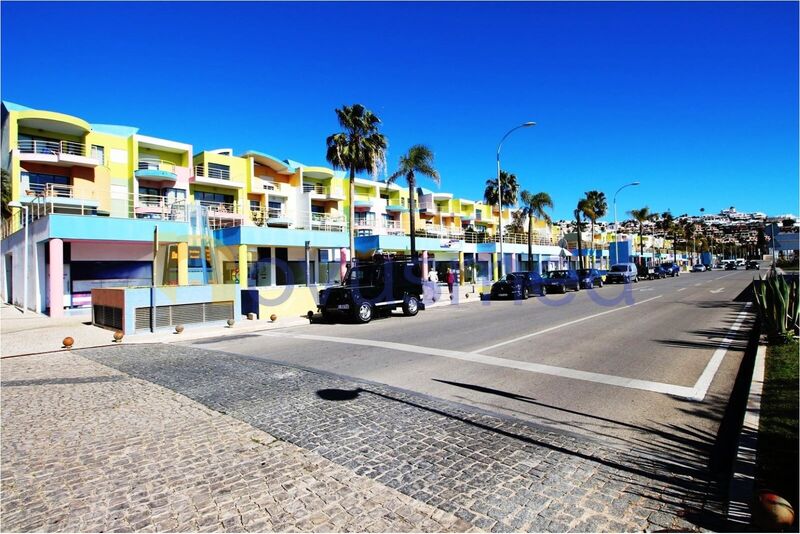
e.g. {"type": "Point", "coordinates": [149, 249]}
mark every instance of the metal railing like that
{"type": "Point", "coordinates": [219, 208]}
{"type": "Point", "coordinates": [51, 190]}
{"type": "Point", "coordinates": [328, 223]}
{"type": "Point", "coordinates": [156, 165]}
{"type": "Point", "coordinates": [35, 146]}
{"type": "Point", "coordinates": [157, 207]}
{"type": "Point", "coordinates": [318, 189]}
{"type": "Point", "coordinates": [219, 174]}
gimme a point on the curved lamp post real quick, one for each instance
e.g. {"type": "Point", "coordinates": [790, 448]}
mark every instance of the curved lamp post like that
{"type": "Point", "coordinates": [616, 224]}
{"type": "Point", "coordinates": [500, 190]}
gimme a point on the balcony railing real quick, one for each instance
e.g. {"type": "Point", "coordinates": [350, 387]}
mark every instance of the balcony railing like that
{"type": "Point", "coordinates": [50, 190]}
{"type": "Point", "coordinates": [319, 189]}
{"type": "Point", "coordinates": [218, 174]}
{"type": "Point", "coordinates": [328, 223]}
{"type": "Point", "coordinates": [156, 165]}
{"type": "Point", "coordinates": [158, 207]}
{"type": "Point", "coordinates": [35, 146]}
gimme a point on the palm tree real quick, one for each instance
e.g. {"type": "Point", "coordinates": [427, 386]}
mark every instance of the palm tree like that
{"type": "Point", "coordinates": [6, 193]}
{"type": "Point", "coordinates": [668, 224]}
{"type": "Point", "coordinates": [533, 207]}
{"type": "Point", "coordinates": [599, 208]}
{"type": "Point", "coordinates": [359, 148]}
{"type": "Point", "coordinates": [641, 216]}
{"type": "Point", "coordinates": [584, 206]}
{"type": "Point", "coordinates": [510, 191]}
{"type": "Point", "coordinates": [418, 160]}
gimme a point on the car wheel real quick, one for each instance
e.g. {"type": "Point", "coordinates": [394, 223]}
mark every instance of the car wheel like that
{"type": "Point", "coordinates": [600, 284]}
{"type": "Point", "coordinates": [327, 316]}
{"type": "Point", "coordinates": [636, 280]}
{"type": "Point", "coordinates": [364, 312]}
{"type": "Point", "coordinates": [411, 306]}
{"type": "Point", "coordinates": [590, 285]}
{"type": "Point", "coordinates": [525, 294]}
{"type": "Point", "coordinates": [543, 292]}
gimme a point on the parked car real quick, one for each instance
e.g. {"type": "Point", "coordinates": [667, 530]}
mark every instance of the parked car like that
{"type": "Point", "coordinates": [590, 278]}
{"type": "Point", "coordinates": [753, 264]}
{"type": "Point", "coordinates": [671, 268]}
{"type": "Point", "coordinates": [740, 262]}
{"type": "Point", "coordinates": [560, 281]}
{"type": "Point", "coordinates": [642, 271]}
{"type": "Point", "coordinates": [519, 285]}
{"type": "Point", "coordinates": [622, 273]}
{"type": "Point", "coordinates": [657, 271]}
{"type": "Point", "coordinates": [731, 266]}
{"type": "Point", "coordinates": [698, 268]}
{"type": "Point", "coordinates": [382, 284]}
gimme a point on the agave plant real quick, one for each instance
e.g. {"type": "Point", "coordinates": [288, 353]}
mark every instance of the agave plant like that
{"type": "Point", "coordinates": [778, 304]}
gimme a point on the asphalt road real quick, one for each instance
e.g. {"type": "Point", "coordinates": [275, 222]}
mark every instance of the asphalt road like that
{"type": "Point", "coordinates": [648, 365]}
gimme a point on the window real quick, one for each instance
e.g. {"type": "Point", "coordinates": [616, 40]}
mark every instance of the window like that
{"type": "Point", "coordinates": [99, 153]}
{"type": "Point", "coordinates": [478, 215]}
{"type": "Point", "coordinates": [384, 196]}
{"type": "Point", "coordinates": [203, 196]}
{"type": "Point", "coordinates": [222, 172]}
{"type": "Point", "coordinates": [174, 195]}
{"type": "Point", "coordinates": [42, 179]}
{"type": "Point", "coordinates": [255, 205]}
{"type": "Point", "coordinates": [149, 191]}
{"type": "Point", "coordinates": [317, 209]}
{"type": "Point", "coordinates": [365, 218]}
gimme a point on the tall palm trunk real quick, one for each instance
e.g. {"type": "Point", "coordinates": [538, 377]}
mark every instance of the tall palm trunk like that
{"type": "Point", "coordinates": [641, 244]}
{"type": "Point", "coordinates": [412, 212]}
{"type": "Point", "coordinates": [352, 210]}
{"type": "Point", "coordinates": [592, 247]}
{"type": "Point", "coordinates": [580, 244]}
{"type": "Point", "coordinates": [530, 245]}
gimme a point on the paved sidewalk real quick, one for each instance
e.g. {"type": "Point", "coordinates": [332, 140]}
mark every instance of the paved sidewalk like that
{"type": "Point", "coordinates": [32, 333]}
{"type": "Point", "coordinates": [87, 448]}
{"type": "Point", "coordinates": [494, 473]}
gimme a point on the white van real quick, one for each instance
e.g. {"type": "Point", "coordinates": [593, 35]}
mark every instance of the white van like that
{"type": "Point", "coordinates": [622, 273]}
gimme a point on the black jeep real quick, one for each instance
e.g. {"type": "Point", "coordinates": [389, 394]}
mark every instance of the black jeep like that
{"type": "Point", "coordinates": [383, 284]}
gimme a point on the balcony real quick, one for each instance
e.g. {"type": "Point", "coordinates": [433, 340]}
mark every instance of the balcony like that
{"type": "Point", "coordinates": [159, 207]}
{"type": "Point", "coordinates": [394, 227]}
{"type": "Point", "coordinates": [58, 198]}
{"type": "Point", "coordinates": [215, 177]}
{"type": "Point", "coordinates": [319, 191]}
{"type": "Point", "coordinates": [271, 217]}
{"type": "Point", "coordinates": [150, 169]}
{"type": "Point", "coordinates": [328, 223]}
{"type": "Point", "coordinates": [61, 153]}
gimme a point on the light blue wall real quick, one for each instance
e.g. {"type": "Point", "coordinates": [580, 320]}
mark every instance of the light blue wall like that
{"type": "Point", "coordinates": [139, 297]}
{"type": "Point", "coordinates": [280, 237]}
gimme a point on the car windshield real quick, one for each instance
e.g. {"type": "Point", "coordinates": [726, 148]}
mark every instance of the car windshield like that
{"type": "Point", "coordinates": [585, 272]}
{"type": "Point", "coordinates": [365, 275]}
{"type": "Point", "coordinates": [510, 277]}
{"type": "Point", "coordinates": [666, 265]}
{"type": "Point", "coordinates": [557, 274]}
{"type": "Point", "coordinates": [619, 268]}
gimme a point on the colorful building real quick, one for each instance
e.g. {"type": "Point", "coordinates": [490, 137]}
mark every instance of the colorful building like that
{"type": "Point", "coordinates": [102, 212]}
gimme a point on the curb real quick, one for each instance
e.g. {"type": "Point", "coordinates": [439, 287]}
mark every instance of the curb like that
{"type": "Point", "coordinates": [742, 482]}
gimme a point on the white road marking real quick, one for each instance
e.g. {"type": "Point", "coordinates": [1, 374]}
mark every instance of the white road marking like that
{"type": "Point", "coordinates": [682, 289]}
{"type": "Point", "coordinates": [562, 325]}
{"type": "Point", "coordinates": [646, 289]}
{"type": "Point", "coordinates": [703, 383]}
{"type": "Point", "coordinates": [724, 276]}
{"type": "Point", "coordinates": [632, 383]}
{"type": "Point", "coordinates": [720, 290]}
{"type": "Point", "coordinates": [697, 284]}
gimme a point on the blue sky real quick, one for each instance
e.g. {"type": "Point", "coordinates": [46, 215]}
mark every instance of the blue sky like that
{"type": "Point", "coordinates": [698, 101]}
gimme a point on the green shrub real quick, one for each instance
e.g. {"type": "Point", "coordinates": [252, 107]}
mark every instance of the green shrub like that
{"type": "Point", "coordinates": [778, 305]}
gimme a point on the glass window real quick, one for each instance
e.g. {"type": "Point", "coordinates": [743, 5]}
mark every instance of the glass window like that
{"type": "Point", "coordinates": [99, 153]}
{"type": "Point", "coordinates": [215, 170]}
{"type": "Point", "coordinates": [317, 209]}
{"type": "Point", "coordinates": [42, 179]}
{"type": "Point", "coordinates": [175, 195]}
{"type": "Point", "coordinates": [213, 197]}
{"type": "Point", "coordinates": [150, 191]}
{"type": "Point", "coordinates": [255, 205]}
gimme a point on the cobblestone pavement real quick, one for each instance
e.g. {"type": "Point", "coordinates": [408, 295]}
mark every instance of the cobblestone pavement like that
{"type": "Point", "coordinates": [87, 448]}
{"type": "Point", "coordinates": [496, 474]}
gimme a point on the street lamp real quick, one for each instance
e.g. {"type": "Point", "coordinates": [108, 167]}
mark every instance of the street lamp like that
{"type": "Point", "coordinates": [15, 204]}
{"type": "Point", "coordinates": [616, 225]}
{"type": "Point", "coordinates": [500, 189]}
